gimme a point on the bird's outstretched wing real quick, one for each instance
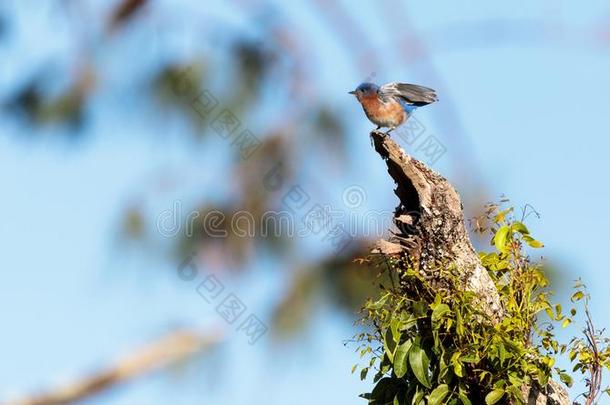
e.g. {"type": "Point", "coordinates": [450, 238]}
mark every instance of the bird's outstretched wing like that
{"type": "Point", "coordinates": [411, 93]}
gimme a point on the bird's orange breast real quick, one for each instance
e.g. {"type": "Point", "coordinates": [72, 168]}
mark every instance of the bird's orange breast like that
{"type": "Point", "coordinates": [388, 114]}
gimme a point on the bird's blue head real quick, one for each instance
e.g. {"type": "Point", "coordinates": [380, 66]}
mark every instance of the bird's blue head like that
{"type": "Point", "coordinates": [365, 89]}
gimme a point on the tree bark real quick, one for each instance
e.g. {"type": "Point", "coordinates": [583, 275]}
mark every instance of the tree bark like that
{"type": "Point", "coordinates": [430, 228]}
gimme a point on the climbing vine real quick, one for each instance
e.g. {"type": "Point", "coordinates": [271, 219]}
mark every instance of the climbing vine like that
{"type": "Point", "coordinates": [431, 342]}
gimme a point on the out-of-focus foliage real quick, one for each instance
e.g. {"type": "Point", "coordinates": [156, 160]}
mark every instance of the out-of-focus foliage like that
{"type": "Point", "coordinates": [433, 344]}
{"type": "Point", "coordinates": [265, 75]}
{"type": "Point", "coordinates": [344, 281]}
{"type": "Point", "coordinates": [36, 105]}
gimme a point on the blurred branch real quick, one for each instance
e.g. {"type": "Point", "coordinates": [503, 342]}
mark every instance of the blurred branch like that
{"type": "Point", "coordinates": [124, 11]}
{"type": "Point", "coordinates": [154, 356]}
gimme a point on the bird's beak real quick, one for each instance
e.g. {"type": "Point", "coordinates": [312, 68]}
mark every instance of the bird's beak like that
{"type": "Point", "coordinates": [352, 92]}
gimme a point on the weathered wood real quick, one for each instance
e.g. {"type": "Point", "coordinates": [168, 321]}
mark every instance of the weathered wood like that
{"type": "Point", "coordinates": [430, 228]}
{"type": "Point", "coordinates": [430, 222]}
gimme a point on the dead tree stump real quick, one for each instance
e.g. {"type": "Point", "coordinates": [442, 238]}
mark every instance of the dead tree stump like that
{"type": "Point", "coordinates": [430, 228]}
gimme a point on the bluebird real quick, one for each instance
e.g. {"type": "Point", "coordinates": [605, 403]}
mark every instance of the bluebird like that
{"type": "Point", "coordinates": [392, 104]}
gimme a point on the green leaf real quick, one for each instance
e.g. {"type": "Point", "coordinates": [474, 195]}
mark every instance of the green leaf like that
{"type": "Point", "coordinates": [532, 242]}
{"type": "Point", "coordinates": [439, 312]}
{"type": "Point", "coordinates": [420, 308]}
{"type": "Point", "coordinates": [400, 359]}
{"type": "Point", "coordinates": [500, 238]}
{"type": "Point", "coordinates": [577, 296]}
{"type": "Point", "coordinates": [566, 379]}
{"type": "Point", "coordinates": [385, 391]}
{"type": "Point", "coordinates": [464, 399]}
{"type": "Point", "coordinates": [558, 309]}
{"type": "Point", "coordinates": [459, 324]}
{"type": "Point", "coordinates": [437, 300]}
{"type": "Point", "coordinates": [536, 244]}
{"type": "Point", "coordinates": [458, 369]}
{"type": "Point", "coordinates": [494, 396]}
{"type": "Point", "coordinates": [436, 397]}
{"type": "Point", "coordinates": [389, 344]}
{"type": "Point", "coordinates": [395, 325]}
{"type": "Point", "coordinates": [520, 227]}
{"type": "Point", "coordinates": [418, 397]}
{"type": "Point", "coordinates": [501, 216]}
{"type": "Point", "coordinates": [516, 393]}
{"type": "Point", "coordinates": [377, 304]}
{"type": "Point", "coordinates": [501, 353]}
{"type": "Point", "coordinates": [407, 321]}
{"type": "Point", "coordinates": [573, 354]}
{"type": "Point", "coordinates": [419, 361]}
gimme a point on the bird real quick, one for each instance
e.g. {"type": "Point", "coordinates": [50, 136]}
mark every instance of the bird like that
{"type": "Point", "coordinates": [391, 105]}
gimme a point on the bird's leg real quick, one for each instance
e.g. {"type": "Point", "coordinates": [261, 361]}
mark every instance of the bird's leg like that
{"type": "Point", "coordinates": [371, 136]}
{"type": "Point", "coordinates": [389, 130]}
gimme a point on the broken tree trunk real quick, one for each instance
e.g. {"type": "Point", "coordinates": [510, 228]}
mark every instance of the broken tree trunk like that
{"type": "Point", "coordinates": [431, 229]}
